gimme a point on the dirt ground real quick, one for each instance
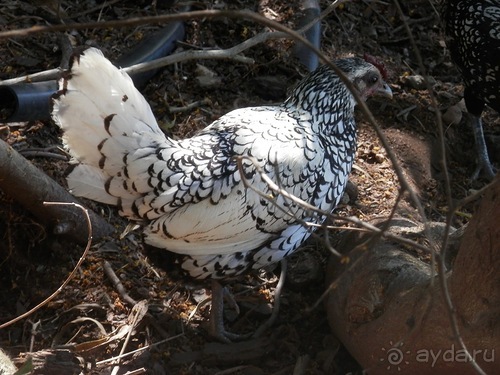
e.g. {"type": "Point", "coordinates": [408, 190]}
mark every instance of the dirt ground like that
{"type": "Point", "coordinates": [86, 316]}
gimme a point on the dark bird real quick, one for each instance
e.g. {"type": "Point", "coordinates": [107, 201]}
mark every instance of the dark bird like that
{"type": "Point", "coordinates": [473, 38]}
{"type": "Point", "coordinates": [189, 195]}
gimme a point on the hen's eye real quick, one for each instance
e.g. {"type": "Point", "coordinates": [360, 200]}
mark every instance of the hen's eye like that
{"type": "Point", "coordinates": [374, 79]}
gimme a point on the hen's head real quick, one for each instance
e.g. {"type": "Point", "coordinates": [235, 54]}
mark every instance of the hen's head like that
{"type": "Point", "coordinates": [368, 76]}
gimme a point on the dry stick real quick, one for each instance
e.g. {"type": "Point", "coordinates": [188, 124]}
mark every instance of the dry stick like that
{"type": "Point", "coordinates": [110, 273]}
{"type": "Point", "coordinates": [229, 53]}
{"type": "Point", "coordinates": [33, 332]}
{"type": "Point", "coordinates": [190, 106]}
{"type": "Point", "coordinates": [99, 7]}
{"type": "Point", "coordinates": [234, 370]}
{"type": "Point", "coordinates": [277, 300]}
{"type": "Point", "coordinates": [138, 371]}
{"type": "Point", "coordinates": [104, 361]}
{"type": "Point", "coordinates": [183, 16]}
{"type": "Point", "coordinates": [438, 118]}
{"type": "Point", "coordinates": [43, 154]}
{"type": "Point", "coordinates": [71, 275]}
{"type": "Point", "coordinates": [215, 54]}
{"type": "Point", "coordinates": [46, 75]}
{"type": "Point", "coordinates": [30, 187]}
{"type": "Point", "coordinates": [473, 197]}
{"type": "Point", "coordinates": [439, 123]}
{"type": "Point", "coordinates": [301, 365]}
{"type": "Point", "coordinates": [138, 312]}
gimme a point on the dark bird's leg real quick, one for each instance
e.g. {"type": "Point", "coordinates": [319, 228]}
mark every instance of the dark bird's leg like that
{"type": "Point", "coordinates": [483, 161]}
{"type": "Point", "coordinates": [216, 328]}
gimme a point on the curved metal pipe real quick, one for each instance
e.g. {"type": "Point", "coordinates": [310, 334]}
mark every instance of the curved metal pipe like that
{"type": "Point", "coordinates": [310, 11]}
{"type": "Point", "coordinates": [31, 101]}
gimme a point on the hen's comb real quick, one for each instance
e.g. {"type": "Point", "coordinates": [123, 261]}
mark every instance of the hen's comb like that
{"type": "Point", "coordinates": [376, 62]}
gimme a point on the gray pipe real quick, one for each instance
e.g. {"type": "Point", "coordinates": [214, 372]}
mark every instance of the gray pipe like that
{"type": "Point", "coordinates": [310, 11]}
{"type": "Point", "coordinates": [26, 101]}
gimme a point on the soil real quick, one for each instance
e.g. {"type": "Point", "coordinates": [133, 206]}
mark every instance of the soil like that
{"type": "Point", "coordinates": [34, 262]}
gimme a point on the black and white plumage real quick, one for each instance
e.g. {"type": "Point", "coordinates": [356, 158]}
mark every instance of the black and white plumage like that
{"type": "Point", "coordinates": [188, 194]}
{"type": "Point", "coordinates": [473, 31]}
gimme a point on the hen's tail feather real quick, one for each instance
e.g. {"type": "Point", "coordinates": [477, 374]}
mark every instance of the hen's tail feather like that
{"type": "Point", "coordinates": [88, 182]}
{"type": "Point", "coordinates": [104, 118]}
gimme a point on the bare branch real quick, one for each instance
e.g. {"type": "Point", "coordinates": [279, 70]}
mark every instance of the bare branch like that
{"type": "Point", "coordinates": [31, 187]}
{"type": "Point", "coordinates": [46, 75]}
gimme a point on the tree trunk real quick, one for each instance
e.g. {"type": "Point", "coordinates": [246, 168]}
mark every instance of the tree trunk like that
{"type": "Point", "coordinates": [388, 307]}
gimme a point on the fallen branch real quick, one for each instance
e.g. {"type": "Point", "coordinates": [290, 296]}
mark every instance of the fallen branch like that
{"type": "Point", "coordinates": [29, 186]}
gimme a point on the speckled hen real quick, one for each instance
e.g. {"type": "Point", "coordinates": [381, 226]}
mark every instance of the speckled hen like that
{"type": "Point", "coordinates": [473, 31]}
{"type": "Point", "coordinates": [189, 194]}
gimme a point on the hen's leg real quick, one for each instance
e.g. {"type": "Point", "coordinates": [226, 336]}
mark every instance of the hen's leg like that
{"type": "Point", "coordinates": [216, 328]}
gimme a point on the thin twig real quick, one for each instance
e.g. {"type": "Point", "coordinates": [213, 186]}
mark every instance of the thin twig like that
{"type": "Point", "coordinates": [147, 347]}
{"type": "Point", "coordinates": [46, 75]}
{"type": "Point", "coordinates": [165, 18]}
{"type": "Point", "coordinates": [138, 371]}
{"type": "Point", "coordinates": [216, 54]}
{"type": "Point", "coordinates": [138, 312]}
{"type": "Point", "coordinates": [471, 198]}
{"type": "Point", "coordinates": [277, 300]}
{"type": "Point", "coordinates": [110, 273]}
{"type": "Point", "coordinates": [189, 106]}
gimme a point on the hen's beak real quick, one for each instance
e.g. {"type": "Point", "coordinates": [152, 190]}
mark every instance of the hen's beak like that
{"type": "Point", "coordinates": [384, 90]}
